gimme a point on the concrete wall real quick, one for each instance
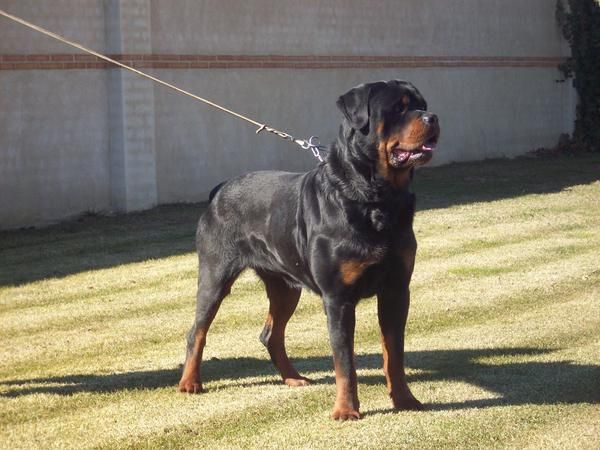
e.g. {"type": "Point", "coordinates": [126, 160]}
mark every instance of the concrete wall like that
{"type": "Point", "coordinates": [346, 27]}
{"type": "Point", "coordinates": [78, 136]}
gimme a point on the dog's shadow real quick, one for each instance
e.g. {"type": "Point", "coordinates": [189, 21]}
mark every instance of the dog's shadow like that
{"type": "Point", "coordinates": [514, 383]}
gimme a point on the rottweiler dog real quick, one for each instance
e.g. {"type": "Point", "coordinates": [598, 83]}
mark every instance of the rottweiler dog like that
{"type": "Point", "coordinates": [343, 230]}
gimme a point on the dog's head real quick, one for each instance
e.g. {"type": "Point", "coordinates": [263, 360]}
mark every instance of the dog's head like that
{"type": "Point", "coordinates": [390, 126]}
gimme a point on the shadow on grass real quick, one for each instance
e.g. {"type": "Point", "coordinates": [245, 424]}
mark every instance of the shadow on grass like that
{"type": "Point", "coordinates": [95, 242]}
{"type": "Point", "coordinates": [464, 183]}
{"type": "Point", "coordinates": [514, 383]}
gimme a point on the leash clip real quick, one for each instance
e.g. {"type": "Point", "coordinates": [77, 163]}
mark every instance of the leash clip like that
{"type": "Point", "coordinates": [313, 144]}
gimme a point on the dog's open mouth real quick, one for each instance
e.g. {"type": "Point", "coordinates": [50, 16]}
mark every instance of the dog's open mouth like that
{"type": "Point", "coordinates": [400, 157]}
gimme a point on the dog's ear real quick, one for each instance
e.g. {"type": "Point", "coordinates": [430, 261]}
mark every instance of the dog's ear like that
{"type": "Point", "coordinates": [354, 104]}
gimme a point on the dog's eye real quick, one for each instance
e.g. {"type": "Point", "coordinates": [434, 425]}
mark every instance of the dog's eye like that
{"type": "Point", "coordinates": [399, 108]}
{"type": "Point", "coordinates": [402, 105]}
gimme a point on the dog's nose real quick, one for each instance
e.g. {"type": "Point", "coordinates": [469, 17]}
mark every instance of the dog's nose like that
{"type": "Point", "coordinates": [429, 119]}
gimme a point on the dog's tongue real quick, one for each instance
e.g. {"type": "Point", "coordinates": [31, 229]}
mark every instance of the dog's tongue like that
{"type": "Point", "coordinates": [401, 156]}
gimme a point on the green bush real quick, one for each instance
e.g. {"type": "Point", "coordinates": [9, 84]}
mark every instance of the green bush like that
{"type": "Point", "coordinates": [580, 24]}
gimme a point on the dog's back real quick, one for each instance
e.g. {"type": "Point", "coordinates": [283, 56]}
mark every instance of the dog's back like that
{"type": "Point", "coordinates": [246, 225]}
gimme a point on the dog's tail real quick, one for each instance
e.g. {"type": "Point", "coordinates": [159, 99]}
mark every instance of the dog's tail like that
{"type": "Point", "coordinates": [214, 191]}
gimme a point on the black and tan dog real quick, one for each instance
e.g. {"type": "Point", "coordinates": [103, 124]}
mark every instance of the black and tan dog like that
{"type": "Point", "coordinates": [343, 230]}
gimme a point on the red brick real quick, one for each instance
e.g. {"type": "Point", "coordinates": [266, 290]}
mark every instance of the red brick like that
{"type": "Point", "coordinates": [167, 57]}
{"type": "Point", "coordinates": [188, 58]}
{"type": "Point", "coordinates": [52, 66]}
{"type": "Point", "coordinates": [132, 57]}
{"type": "Point", "coordinates": [248, 65]}
{"type": "Point", "coordinates": [14, 58]}
{"type": "Point", "coordinates": [172, 61]}
{"type": "Point", "coordinates": [143, 65]}
{"type": "Point", "coordinates": [28, 66]}
{"type": "Point", "coordinates": [273, 65]}
{"type": "Point", "coordinates": [62, 57]}
{"type": "Point", "coordinates": [38, 57]}
{"type": "Point", "coordinates": [207, 57]}
{"type": "Point", "coordinates": [199, 65]}
{"type": "Point", "coordinates": [277, 57]}
{"type": "Point", "coordinates": [75, 65]}
{"type": "Point", "coordinates": [85, 58]}
{"type": "Point", "coordinates": [178, 65]}
{"type": "Point", "coordinates": [98, 65]}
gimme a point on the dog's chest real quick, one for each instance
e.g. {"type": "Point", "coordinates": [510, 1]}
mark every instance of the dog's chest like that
{"type": "Point", "coordinates": [377, 246]}
{"type": "Point", "coordinates": [389, 221]}
{"type": "Point", "coordinates": [379, 219]}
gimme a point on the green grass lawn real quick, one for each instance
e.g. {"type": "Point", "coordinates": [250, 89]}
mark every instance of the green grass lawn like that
{"type": "Point", "coordinates": [503, 335]}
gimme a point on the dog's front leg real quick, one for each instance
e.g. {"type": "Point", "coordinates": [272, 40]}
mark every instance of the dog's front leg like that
{"type": "Point", "coordinates": [340, 323]}
{"type": "Point", "coordinates": [392, 308]}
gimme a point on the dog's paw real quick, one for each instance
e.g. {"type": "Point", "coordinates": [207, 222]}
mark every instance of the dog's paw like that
{"type": "Point", "coordinates": [407, 403]}
{"type": "Point", "coordinates": [295, 382]}
{"type": "Point", "coordinates": [190, 386]}
{"type": "Point", "coordinates": [345, 414]}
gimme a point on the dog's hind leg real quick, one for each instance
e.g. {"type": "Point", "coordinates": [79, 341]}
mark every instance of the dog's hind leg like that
{"type": "Point", "coordinates": [283, 300]}
{"type": "Point", "coordinates": [212, 289]}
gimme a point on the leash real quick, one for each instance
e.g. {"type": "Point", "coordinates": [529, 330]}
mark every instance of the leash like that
{"type": "Point", "coordinates": [311, 144]}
